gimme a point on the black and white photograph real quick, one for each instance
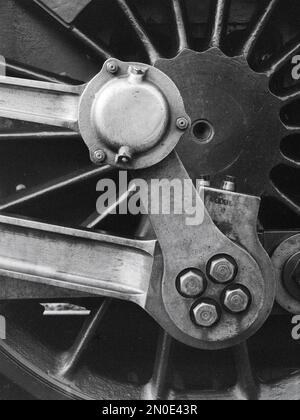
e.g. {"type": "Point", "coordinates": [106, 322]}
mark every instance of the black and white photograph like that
{"type": "Point", "coordinates": [149, 203]}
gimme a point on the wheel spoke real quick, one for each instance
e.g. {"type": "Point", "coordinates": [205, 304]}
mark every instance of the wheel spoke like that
{"type": "Point", "coordinates": [180, 25]}
{"type": "Point", "coordinates": [219, 22]}
{"type": "Point", "coordinates": [96, 219]}
{"type": "Point", "coordinates": [70, 359]}
{"type": "Point", "coordinates": [39, 135]}
{"type": "Point", "coordinates": [79, 260]}
{"type": "Point", "coordinates": [283, 58]}
{"type": "Point", "coordinates": [285, 160]}
{"type": "Point", "coordinates": [150, 49]}
{"type": "Point", "coordinates": [247, 386]}
{"type": "Point", "coordinates": [274, 192]}
{"type": "Point", "coordinates": [99, 50]}
{"type": "Point", "coordinates": [291, 129]}
{"type": "Point", "coordinates": [14, 69]}
{"type": "Point", "coordinates": [40, 102]}
{"type": "Point", "coordinates": [156, 389]}
{"type": "Point", "coordinates": [292, 95]}
{"type": "Point", "coordinates": [259, 28]}
{"type": "Point", "coordinates": [54, 186]}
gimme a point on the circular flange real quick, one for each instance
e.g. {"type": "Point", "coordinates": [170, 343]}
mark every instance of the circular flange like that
{"type": "Point", "coordinates": [280, 258]}
{"type": "Point", "coordinates": [131, 115]}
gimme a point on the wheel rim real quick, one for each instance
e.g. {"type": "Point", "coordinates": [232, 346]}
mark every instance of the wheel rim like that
{"type": "Point", "coordinates": [65, 371]}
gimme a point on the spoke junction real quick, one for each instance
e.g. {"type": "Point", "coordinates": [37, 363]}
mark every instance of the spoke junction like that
{"type": "Point", "coordinates": [97, 264]}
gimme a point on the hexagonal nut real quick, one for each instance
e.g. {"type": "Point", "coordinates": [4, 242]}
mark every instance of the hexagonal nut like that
{"type": "Point", "coordinates": [192, 283]}
{"type": "Point", "coordinates": [222, 270]}
{"type": "Point", "coordinates": [237, 300]}
{"type": "Point", "coordinates": [206, 314]}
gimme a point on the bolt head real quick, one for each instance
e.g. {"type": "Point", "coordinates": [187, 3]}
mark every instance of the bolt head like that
{"type": "Point", "coordinates": [182, 123]}
{"type": "Point", "coordinates": [99, 156]}
{"type": "Point", "coordinates": [192, 283]}
{"type": "Point", "coordinates": [237, 300]}
{"type": "Point", "coordinates": [222, 270]}
{"type": "Point", "coordinates": [206, 314]}
{"type": "Point", "coordinates": [112, 67]}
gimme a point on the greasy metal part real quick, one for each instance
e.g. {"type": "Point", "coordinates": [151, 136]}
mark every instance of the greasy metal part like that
{"type": "Point", "coordinates": [236, 216]}
{"type": "Point", "coordinates": [96, 263]}
{"type": "Point", "coordinates": [40, 102]}
{"type": "Point", "coordinates": [281, 257]}
{"type": "Point", "coordinates": [247, 387]}
{"type": "Point", "coordinates": [205, 241]}
{"type": "Point", "coordinates": [134, 113]}
{"type": "Point", "coordinates": [212, 75]}
{"type": "Point", "coordinates": [134, 273]}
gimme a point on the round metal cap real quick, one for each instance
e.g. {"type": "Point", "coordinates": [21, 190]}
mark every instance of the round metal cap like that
{"type": "Point", "coordinates": [130, 112]}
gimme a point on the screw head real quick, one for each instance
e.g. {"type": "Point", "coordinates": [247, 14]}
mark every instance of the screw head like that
{"type": "Point", "coordinates": [222, 269]}
{"type": "Point", "coordinates": [182, 123]}
{"type": "Point", "coordinates": [99, 156]}
{"type": "Point", "coordinates": [112, 67]}
{"type": "Point", "coordinates": [191, 283]}
{"type": "Point", "coordinates": [237, 300]}
{"type": "Point", "coordinates": [206, 314]}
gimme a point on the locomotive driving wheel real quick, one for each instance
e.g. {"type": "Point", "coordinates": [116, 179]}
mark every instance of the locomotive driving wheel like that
{"type": "Point", "coordinates": [232, 63]}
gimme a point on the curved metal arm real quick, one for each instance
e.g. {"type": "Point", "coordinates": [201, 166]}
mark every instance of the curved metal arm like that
{"type": "Point", "coordinates": [72, 259]}
{"type": "Point", "coordinates": [40, 102]}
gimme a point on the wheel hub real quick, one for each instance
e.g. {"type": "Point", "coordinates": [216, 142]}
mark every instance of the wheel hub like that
{"type": "Point", "coordinates": [232, 112]}
{"type": "Point", "coordinates": [131, 115]}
